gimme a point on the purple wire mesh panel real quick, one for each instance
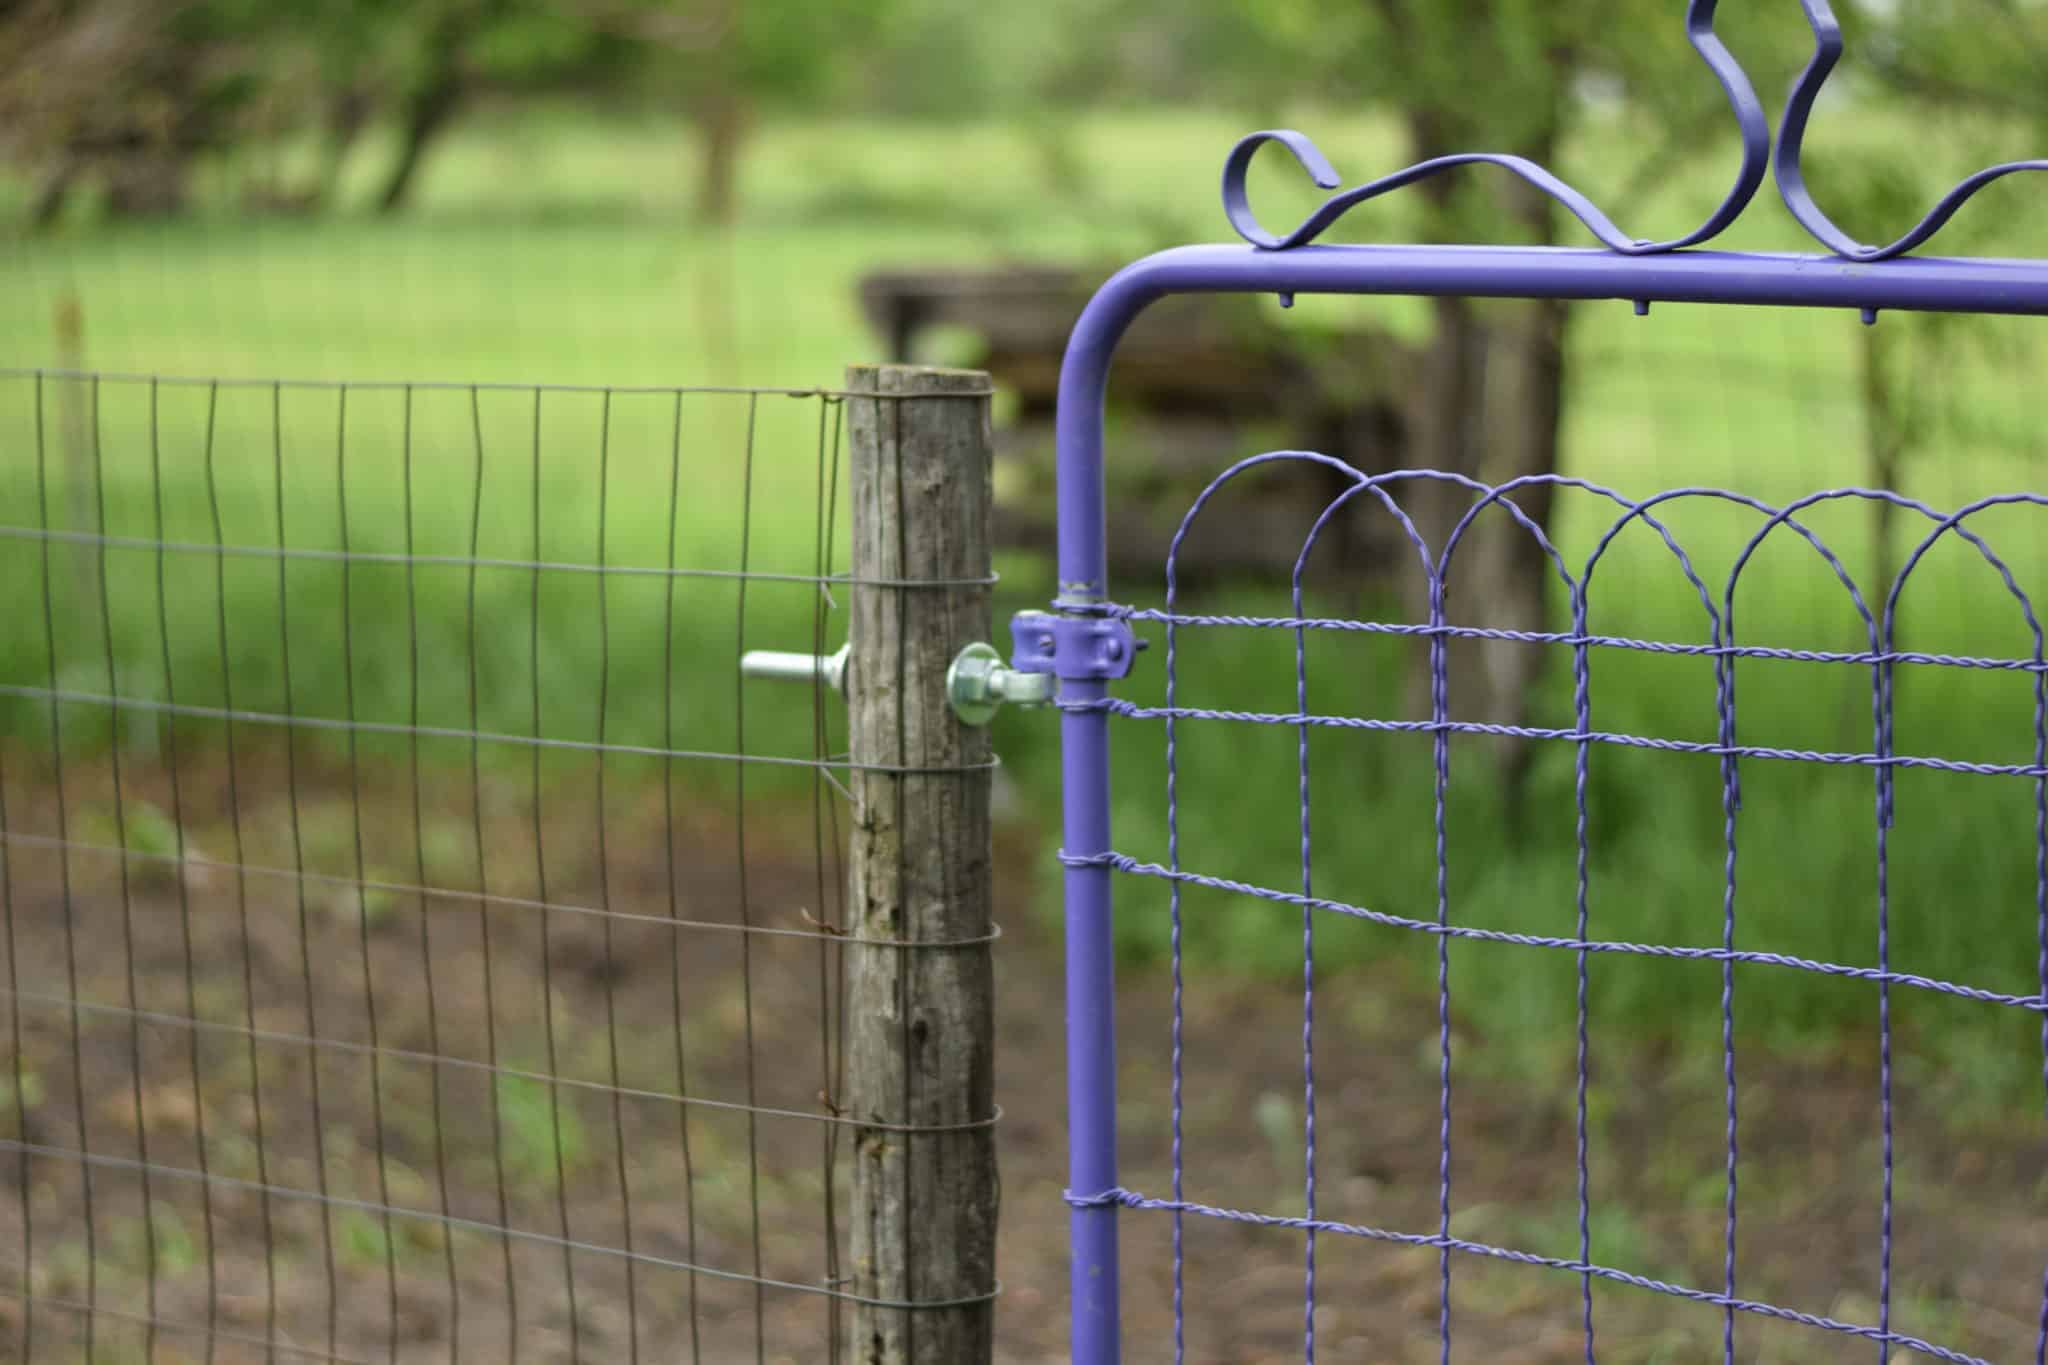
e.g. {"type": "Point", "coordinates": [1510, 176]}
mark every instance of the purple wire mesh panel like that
{"type": "Point", "coordinates": [1723, 647]}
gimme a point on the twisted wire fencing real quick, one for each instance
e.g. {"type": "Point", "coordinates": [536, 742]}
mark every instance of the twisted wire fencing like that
{"type": "Point", "coordinates": [419, 945]}
{"type": "Point", "coordinates": [1719, 1296]}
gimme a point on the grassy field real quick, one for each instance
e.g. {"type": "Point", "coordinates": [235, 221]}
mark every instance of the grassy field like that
{"type": "Point", "coordinates": [554, 249]}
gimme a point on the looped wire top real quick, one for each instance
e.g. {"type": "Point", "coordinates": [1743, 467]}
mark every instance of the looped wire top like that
{"type": "Point", "coordinates": [1827, 52]}
{"type": "Point", "coordinates": [1742, 99]}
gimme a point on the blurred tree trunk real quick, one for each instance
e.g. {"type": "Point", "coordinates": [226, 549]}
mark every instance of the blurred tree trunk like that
{"type": "Point", "coordinates": [1887, 434]}
{"type": "Point", "coordinates": [427, 112]}
{"type": "Point", "coordinates": [1507, 579]}
{"type": "Point", "coordinates": [343, 119]}
{"type": "Point", "coordinates": [721, 129]}
{"type": "Point", "coordinates": [431, 103]}
{"type": "Point", "coordinates": [1884, 448]}
{"type": "Point", "coordinates": [147, 182]}
{"type": "Point", "coordinates": [1491, 407]}
{"type": "Point", "coordinates": [52, 191]}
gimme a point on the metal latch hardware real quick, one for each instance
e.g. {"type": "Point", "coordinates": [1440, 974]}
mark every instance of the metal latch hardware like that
{"type": "Point", "coordinates": [979, 682]}
{"type": "Point", "coordinates": [774, 663]}
{"type": "Point", "coordinates": [1084, 648]}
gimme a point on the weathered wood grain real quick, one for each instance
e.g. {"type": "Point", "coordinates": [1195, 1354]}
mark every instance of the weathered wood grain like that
{"type": "Point", "coordinates": [920, 1021]}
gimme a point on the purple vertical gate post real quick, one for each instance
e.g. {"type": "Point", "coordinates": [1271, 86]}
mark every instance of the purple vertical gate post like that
{"type": "Point", "coordinates": [1084, 775]}
{"type": "Point", "coordinates": [1091, 1029]}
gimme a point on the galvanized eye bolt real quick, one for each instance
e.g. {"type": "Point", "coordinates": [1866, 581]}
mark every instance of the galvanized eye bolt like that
{"type": "Point", "coordinates": [979, 682]}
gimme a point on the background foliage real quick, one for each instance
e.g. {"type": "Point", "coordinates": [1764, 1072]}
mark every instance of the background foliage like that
{"type": "Point", "coordinates": [618, 192]}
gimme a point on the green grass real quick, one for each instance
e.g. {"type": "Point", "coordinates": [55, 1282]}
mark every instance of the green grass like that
{"type": "Point", "coordinates": [544, 1138]}
{"type": "Point", "coordinates": [593, 277]}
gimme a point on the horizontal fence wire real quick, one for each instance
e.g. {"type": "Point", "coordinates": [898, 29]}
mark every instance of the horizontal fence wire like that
{"type": "Point", "coordinates": [419, 942]}
{"type": "Point", "coordinates": [1434, 546]}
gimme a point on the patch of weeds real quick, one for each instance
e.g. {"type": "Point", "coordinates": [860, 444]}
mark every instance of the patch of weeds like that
{"type": "Point", "coordinates": [1683, 1179]}
{"type": "Point", "coordinates": [150, 830]}
{"type": "Point", "coordinates": [128, 1243]}
{"type": "Point", "coordinates": [1279, 1123]}
{"type": "Point", "coordinates": [541, 1136]}
{"type": "Point", "coordinates": [372, 904]}
{"type": "Point", "coordinates": [64, 1271]}
{"type": "Point", "coordinates": [144, 829]}
{"type": "Point", "coordinates": [448, 848]}
{"type": "Point", "coordinates": [327, 837]}
{"type": "Point", "coordinates": [29, 1098]}
{"type": "Point", "coordinates": [1615, 1237]}
{"type": "Point", "coordinates": [419, 1236]}
{"type": "Point", "coordinates": [1931, 1317]}
{"type": "Point", "coordinates": [409, 1119]}
{"type": "Point", "coordinates": [360, 1238]}
{"type": "Point", "coordinates": [328, 845]}
{"type": "Point", "coordinates": [1672, 1345]}
{"type": "Point", "coordinates": [1483, 1222]}
{"type": "Point", "coordinates": [722, 1196]}
{"type": "Point", "coordinates": [231, 1155]}
{"type": "Point", "coordinates": [411, 1189]}
{"type": "Point", "coordinates": [1976, 1088]}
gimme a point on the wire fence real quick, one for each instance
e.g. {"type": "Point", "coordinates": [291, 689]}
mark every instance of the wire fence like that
{"type": "Point", "coordinates": [1628, 543]}
{"type": "Point", "coordinates": [414, 950]}
{"type": "Point", "coordinates": [420, 945]}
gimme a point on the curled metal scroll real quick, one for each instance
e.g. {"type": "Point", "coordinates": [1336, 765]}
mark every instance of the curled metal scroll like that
{"type": "Point", "coordinates": [1742, 99]}
{"type": "Point", "coordinates": [1827, 51]}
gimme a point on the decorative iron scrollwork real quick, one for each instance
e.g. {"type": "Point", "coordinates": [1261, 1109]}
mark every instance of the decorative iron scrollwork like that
{"type": "Point", "coordinates": [1742, 99]}
{"type": "Point", "coordinates": [1827, 51]}
{"type": "Point", "coordinates": [1751, 121]}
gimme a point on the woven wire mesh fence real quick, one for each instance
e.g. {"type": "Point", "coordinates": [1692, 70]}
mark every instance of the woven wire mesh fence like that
{"type": "Point", "coordinates": [1711, 1215]}
{"type": "Point", "coordinates": [418, 944]}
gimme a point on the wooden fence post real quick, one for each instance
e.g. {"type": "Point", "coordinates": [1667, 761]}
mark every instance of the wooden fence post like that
{"type": "Point", "coordinates": [920, 1021]}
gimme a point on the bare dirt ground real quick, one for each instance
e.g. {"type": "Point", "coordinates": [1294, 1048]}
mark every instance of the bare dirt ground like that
{"type": "Point", "coordinates": [271, 1118]}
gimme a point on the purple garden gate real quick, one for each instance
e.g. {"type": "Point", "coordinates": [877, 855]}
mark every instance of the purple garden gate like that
{"type": "Point", "coordinates": [1090, 644]}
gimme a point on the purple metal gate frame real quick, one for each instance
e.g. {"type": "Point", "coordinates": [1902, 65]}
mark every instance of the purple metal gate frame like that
{"type": "Point", "coordinates": [1089, 645]}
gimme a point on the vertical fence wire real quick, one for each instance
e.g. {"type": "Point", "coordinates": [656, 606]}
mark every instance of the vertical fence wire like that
{"type": "Point", "coordinates": [828, 881]}
{"type": "Point", "coordinates": [191, 999]}
{"type": "Point", "coordinates": [1308, 963]}
{"type": "Point", "coordinates": [1440, 745]}
{"type": "Point", "coordinates": [1176, 948]}
{"type": "Point", "coordinates": [1582, 758]}
{"type": "Point", "coordinates": [553, 1053]}
{"type": "Point", "coordinates": [419, 838]}
{"type": "Point", "coordinates": [70, 930]}
{"type": "Point", "coordinates": [739, 730]}
{"type": "Point", "coordinates": [18, 1078]}
{"type": "Point", "coordinates": [1731, 807]}
{"type": "Point", "coordinates": [513, 1333]}
{"type": "Point", "coordinates": [604, 883]}
{"type": "Point", "coordinates": [387, 1246]}
{"type": "Point", "coordinates": [120, 814]}
{"type": "Point", "coordinates": [668, 824]}
{"type": "Point", "coordinates": [298, 842]}
{"type": "Point", "coordinates": [239, 854]}
{"type": "Point", "coordinates": [313, 1109]}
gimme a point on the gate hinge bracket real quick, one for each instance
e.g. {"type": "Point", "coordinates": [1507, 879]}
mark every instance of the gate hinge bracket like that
{"type": "Point", "coordinates": [1046, 648]}
{"type": "Point", "coordinates": [1079, 648]}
